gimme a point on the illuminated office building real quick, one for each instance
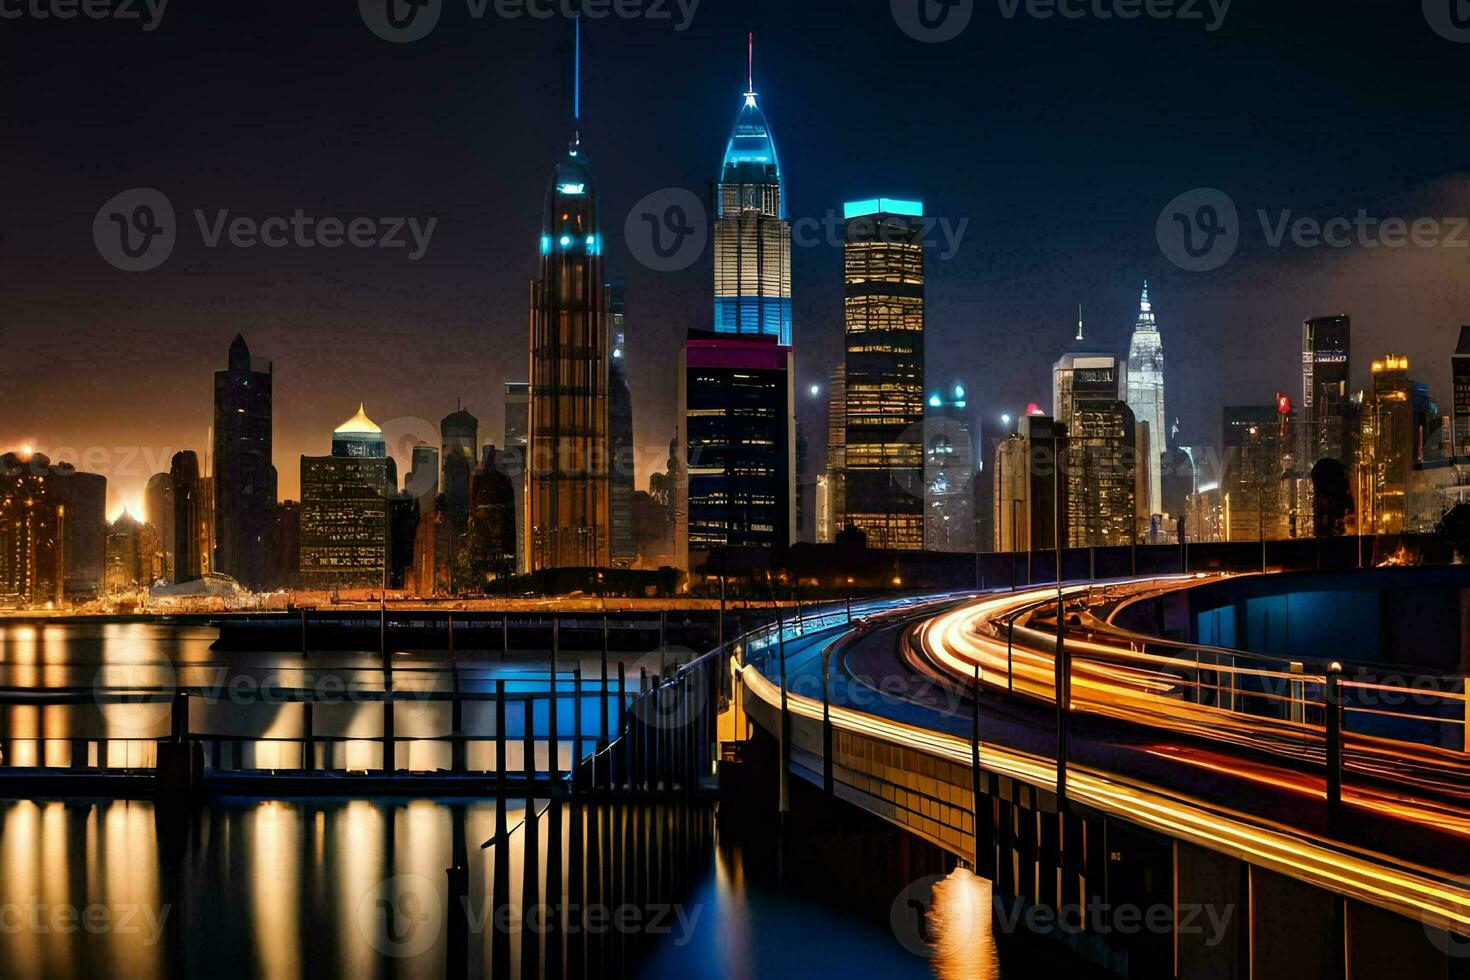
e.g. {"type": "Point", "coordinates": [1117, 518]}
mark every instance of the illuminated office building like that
{"type": "Point", "coordinates": [32, 533]}
{"type": "Point", "coordinates": [244, 477]}
{"type": "Point", "coordinates": [830, 486]}
{"type": "Point", "coordinates": [752, 238]}
{"type": "Point", "coordinates": [1402, 429]}
{"type": "Point", "coordinates": [344, 509]}
{"type": "Point", "coordinates": [1326, 352]}
{"type": "Point", "coordinates": [1146, 398]}
{"type": "Point", "coordinates": [1460, 370]}
{"type": "Point", "coordinates": [620, 427]}
{"type": "Point", "coordinates": [1027, 486]}
{"type": "Point", "coordinates": [1103, 477]}
{"type": "Point", "coordinates": [949, 473]}
{"type": "Point", "coordinates": [738, 433]}
{"type": "Point", "coordinates": [1253, 493]}
{"type": "Point", "coordinates": [125, 558]}
{"type": "Point", "coordinates": [569, 514]}
{"type": "Point", "coordinates": [884, 302]}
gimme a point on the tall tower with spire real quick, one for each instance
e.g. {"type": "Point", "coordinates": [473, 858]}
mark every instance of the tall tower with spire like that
{"type": "Point", "coordinates": [737, 419]}
{"type": "Point", "coordinates": [1146, 396]}
{"type": "Point", "coordinates": [567, 520]}
{"type": "Point", "coordinates": [752, 235]}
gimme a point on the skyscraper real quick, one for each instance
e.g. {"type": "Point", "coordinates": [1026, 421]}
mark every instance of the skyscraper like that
{"type": "Point", "coordinates": [1326, 347]}
{"type": "Point", "coordinates": [738, 433]}
{"type": "Point", "coordinates": [752, 237]}
{"type": "Point", "coordinates": [188, 516]}
{"type": "Point", "coordinates": [491, 540]}
{"type": "Point", "coordinates": [1460, 369]}
{"type": "Point", "coordinates": [949, 473]}
{"type": "Point", "coordinates": [1146, 397]}
{"type": "Point", "coordinates": [344, 509]}
{"type": "Point", "coordinates": [459, 436]}
{"type": "Point", "coordinates": [31, 533]}
{"type": "Point", "coordinates": [620, 427]}
{"type": "Point", "coordinates": [516, 443]}
{"type": "Point", "coordinates": [884, 298]}
{"type": "Point", "coordinates": [159, 502]}
{"type": "Point", "coordinates": [84, 496]}
{"type": "Point", "coordinates": [1027, 486]}
{"type": "Point", "coordinates": [569, 511]}
{"type": "Point", "coordinates": [830, 496]}
{"type": "Point", "coordinates": [737, 412]}
{"type": "Point", "coordinates": [244, 479]}
{"type": "Point", "coordinates": [1252, 489]}
{"type": "Point", "coordinates": [423, 477]}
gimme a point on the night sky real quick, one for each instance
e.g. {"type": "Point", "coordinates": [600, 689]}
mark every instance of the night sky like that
{"type": "Point", "coordinates": [1060, 141]}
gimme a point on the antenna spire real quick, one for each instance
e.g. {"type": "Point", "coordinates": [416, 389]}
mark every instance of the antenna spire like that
{"type": "Point", "coordinates": [750, 63]}
{"type": "Point", "coordinates": [1079, 321]}
{"type": "Point", "coordinates": [577, 73]}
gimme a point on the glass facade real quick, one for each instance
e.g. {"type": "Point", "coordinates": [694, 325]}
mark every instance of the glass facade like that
{"type": "Point", "coordinates": [244, 477]}
{"type": "Point", "coordinates": [884, 320]}
{"type": "Point", "coordinates": [1326, 346]}
{"type": "Point", "coordinates": [344, 509]}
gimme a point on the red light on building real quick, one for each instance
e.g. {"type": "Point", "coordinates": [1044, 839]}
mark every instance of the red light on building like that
{"type": "Point", "coordinates": [1034, 409]}
{"type": "Point", "coordinates": [1283, 405]}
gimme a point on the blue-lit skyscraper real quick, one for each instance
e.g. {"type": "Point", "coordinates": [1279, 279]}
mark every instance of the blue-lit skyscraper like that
{"type": "Point", "coordinates": [752, 236]}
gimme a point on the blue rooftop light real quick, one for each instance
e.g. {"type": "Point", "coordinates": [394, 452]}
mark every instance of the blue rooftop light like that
{"type": "Point", "coordinates": [959, 392]}
{"type": "Point", "coordinates": [935, 402]}
{"type": "Point", "coordinates": [566, 241]}
{"type": "Point", "coordinates": [572, 189]}
{"type": "Point", "coordinates": [883, 205]}
{"type": "Point", "coordinates": [545, 244]}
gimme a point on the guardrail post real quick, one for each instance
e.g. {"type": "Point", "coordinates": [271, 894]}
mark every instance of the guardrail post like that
{"type": "Point", "coordinates": [308, 740]}
{"type": "Point", "coordinates": [553, 736]}
{"type": "Point", "coordinates": [785, 797]}
{"type": "Point", "coordinates": [178, 718]}
{"type": "Point", "coordinates": [458, 751]}
{"type": "Point", "coordinates": [1061, 670]}
{"type": "Point", "coordinates": [500, 767]}
{"type": "Point", "coordinates": [1011, 653]}
{"type": "Point", "coordinates": [576, 726]}
{"type": "Point", "coordinates": [625, 733]}
{"type": "Point", "coordinates": [1297, 708]}
{"type": "Point", "coordinates": [975, 766]}
{"type": "Point", "coordinates": [504, 635]}
{"type": "Point", "coordinates": [1332, 692]}
{"type": "Point", "coordinates": [528, 747]}
{"type": "Point", "coordinates": [826, 723]}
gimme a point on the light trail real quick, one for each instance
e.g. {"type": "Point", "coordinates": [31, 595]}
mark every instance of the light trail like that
{"type": "Point", "coordinates": [1430, 895]}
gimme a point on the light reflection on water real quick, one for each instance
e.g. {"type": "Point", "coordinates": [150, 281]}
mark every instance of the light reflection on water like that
{"type": "Point", "coordinates": [340, 887]}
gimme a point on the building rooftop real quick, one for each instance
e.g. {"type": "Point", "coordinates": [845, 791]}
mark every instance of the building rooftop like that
{"type": "Point", "coordinates": [359, 425]}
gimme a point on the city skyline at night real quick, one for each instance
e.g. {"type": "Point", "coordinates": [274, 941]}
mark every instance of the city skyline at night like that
{"type": "Point", "coordinates": [348, 325]}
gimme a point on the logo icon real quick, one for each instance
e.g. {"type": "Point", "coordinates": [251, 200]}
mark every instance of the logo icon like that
{"type": "Point", "coordinates": [1199, 230]}
{"type": "Point", "coordinates": [402, 916]}
{"type": "Point", "coordinates": [667, 230]}
{"type": "Point", "coordinates": [135, 231]}
{"type": "Point", "coordinates": [933, 21]}
{"type": "Point", "coordinates": [134, 691]}
{"type": "Point", "coordinates": [909, 916]}
{"type": "Point", "coordinates": [401, 21]}
{"type": "Point", "coordinates": [1449, 18]}
{"type": "Point", "coordinates": [682, 700]}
